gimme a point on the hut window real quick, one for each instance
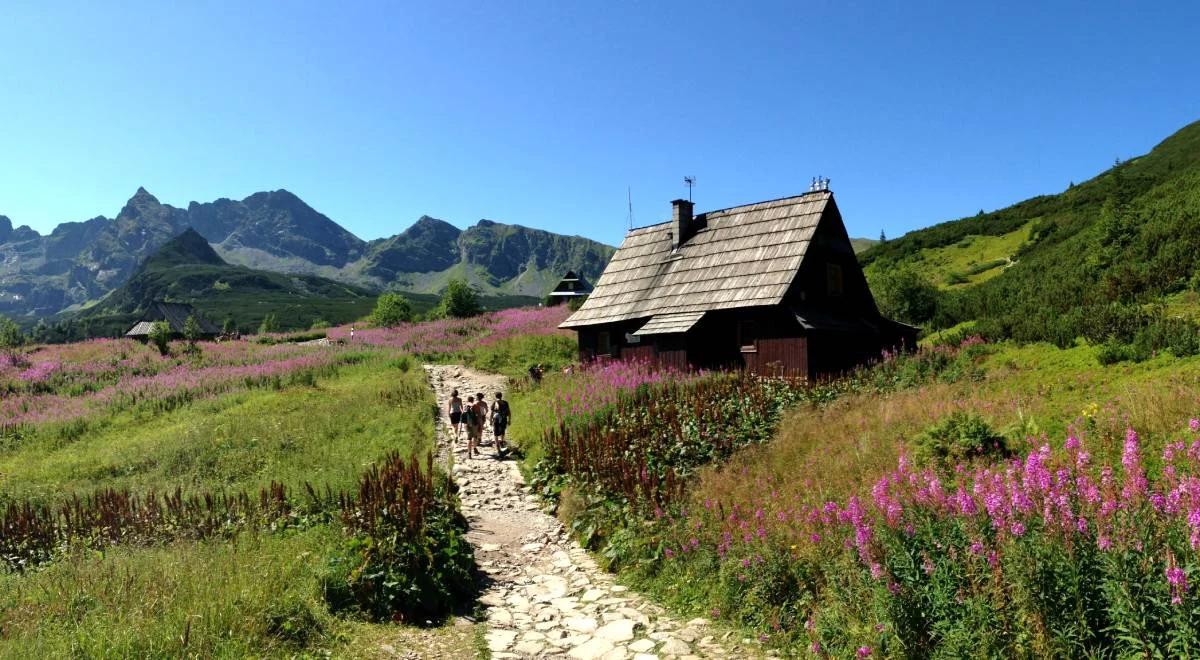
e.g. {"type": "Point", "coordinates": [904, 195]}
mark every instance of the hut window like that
{"type": "Point", "coordinates": [833, 279]}
{"type": "Point", "coordinates": [603, 343]}
{"type": "Point", "coordinates": [747, 335]}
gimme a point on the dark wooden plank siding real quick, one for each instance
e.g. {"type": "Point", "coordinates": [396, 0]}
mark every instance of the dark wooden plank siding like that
{"type": "Point", "coordinates": [641, 353]}
{"type": "Point", "coordinates": [783, 356]}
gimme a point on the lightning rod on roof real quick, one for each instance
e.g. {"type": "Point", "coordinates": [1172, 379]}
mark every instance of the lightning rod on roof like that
{"type": "Point", "coordinates": [690, 182]}
{"type": "Point", "coordinates": [629, 197]}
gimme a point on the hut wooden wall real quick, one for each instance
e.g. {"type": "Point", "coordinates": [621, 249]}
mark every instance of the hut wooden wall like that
{"type": "Point", "coordinates": [639, 353]}
{"type": "Point", "coordinates": [782, 356]}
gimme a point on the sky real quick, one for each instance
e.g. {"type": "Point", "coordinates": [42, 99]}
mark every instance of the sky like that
{"type": "Point", "coordinates": [548, 114]}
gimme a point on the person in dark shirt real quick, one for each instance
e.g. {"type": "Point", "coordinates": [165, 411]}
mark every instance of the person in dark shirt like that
{"type": "Point", "coordinates": [501, 416]}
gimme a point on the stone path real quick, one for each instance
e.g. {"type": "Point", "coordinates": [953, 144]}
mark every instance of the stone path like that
{"type": "Point", "coordinates": [546, 598]}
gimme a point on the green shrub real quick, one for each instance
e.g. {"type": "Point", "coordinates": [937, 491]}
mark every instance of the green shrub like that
{"type": "Point", "coordinates": [958, 438]}
{"type": "Point", "coordinates": [160, 335]}
{"type": "Point", "coordinates": [905, 295]}
{"type": "Point", "coordinates": [407, 557]}
{"type": "Point", "coordinates": [986, 266]}
{"type": "Point", "coordinates": [460, 300]}
{"type": "Point", "coordinates": [1112, 352]}
{"type": "Point", "coordinates": [391, 310]}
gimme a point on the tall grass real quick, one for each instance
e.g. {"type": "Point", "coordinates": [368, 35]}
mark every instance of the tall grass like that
{"type": "Point", "coordinates": [252, 596]}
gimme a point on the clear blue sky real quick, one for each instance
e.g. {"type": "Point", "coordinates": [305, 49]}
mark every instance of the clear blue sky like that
{"type": "Point", "coordinates": [543, 113]}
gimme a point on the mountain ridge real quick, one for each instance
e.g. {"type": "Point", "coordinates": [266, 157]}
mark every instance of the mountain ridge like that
{"type": "Point", "coordinates": [79, 262]}
{"type": "Point", "coordinates": [187, 269]}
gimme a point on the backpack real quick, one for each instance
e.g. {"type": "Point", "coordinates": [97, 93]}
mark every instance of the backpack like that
{"type": "Point", "coordinates": [468, 415]}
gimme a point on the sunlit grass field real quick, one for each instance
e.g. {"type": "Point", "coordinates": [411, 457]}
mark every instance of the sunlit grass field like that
{"type": "Point", "coordinates": [323, 434]}
{"type": "Point", "coordinates": [971, 260]}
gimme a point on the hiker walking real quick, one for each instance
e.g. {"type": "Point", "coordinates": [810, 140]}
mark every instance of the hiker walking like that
{"type": "Point", "coordinates": [482, 417]}
{"type": "Point", "coordinates": [455, 408]}
{"type": "Point", "coordinates": [501, 415]}
{"type": "Point", "coordinates": [479, 413]}
{"type": "Point", "coordinates": [468, 419]}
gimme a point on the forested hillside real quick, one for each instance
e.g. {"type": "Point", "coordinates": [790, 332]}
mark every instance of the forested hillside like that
{"type": "Point", "coordinates": [1112, 260]}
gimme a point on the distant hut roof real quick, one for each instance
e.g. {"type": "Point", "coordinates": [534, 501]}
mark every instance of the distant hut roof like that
{"type": "Point", "coordinates": [571, 286]}
{"type": "Point", "coordinates": [142, 329]}
{"type": "Point", "coordinates": [746, 256]}
{"type": "Point", "coordinates": [176, 315]}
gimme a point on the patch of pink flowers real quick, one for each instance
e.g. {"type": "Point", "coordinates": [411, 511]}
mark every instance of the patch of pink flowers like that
{"type": "Point", "coordinates": [1061, 496]}
{"type": "Point", "coordinates": [454, 335]}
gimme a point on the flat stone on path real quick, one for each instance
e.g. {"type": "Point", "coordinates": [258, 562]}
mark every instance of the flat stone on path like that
{"type": "Point", "coordinates": [642, 646]}
{"type": "Point", "coordinates": [499, 640]}
{"type": "Point", "coordinates": [620, 630]}
{"type": "Point", "coordinates": [592, 649]}
{"type": "Point", "coordinates": [675, 647]}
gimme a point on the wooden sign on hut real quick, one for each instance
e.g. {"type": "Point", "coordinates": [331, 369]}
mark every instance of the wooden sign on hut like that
{"type": "Point", "coordinates": [772, 287]}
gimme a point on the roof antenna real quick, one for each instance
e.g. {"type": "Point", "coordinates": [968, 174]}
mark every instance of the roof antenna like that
{"type": "Point", "coordinates": [690, 182]}
{"type": "Point", "coordinates": [629, 196]}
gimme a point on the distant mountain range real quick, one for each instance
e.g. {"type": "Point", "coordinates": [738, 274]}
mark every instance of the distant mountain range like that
{"type": "Point", "coordinates": [186, 269]}
{"type": "Point", "coordinates": [81, 262]}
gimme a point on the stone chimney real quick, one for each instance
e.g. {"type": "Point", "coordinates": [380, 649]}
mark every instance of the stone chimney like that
{"type": "Point", "coordinates": [682, 223]}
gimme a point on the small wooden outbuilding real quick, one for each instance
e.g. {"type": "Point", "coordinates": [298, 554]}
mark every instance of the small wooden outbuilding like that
{"type": "Point", "coordinates": [569, 287]}
{"type": "Point", "coordinates": [176, 315]}
{"type": "Point", "coordinates": [772, 287]}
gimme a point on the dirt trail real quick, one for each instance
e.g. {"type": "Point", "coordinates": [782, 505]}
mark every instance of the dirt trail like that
{"type": "Point", "coordinates": [545, 597]}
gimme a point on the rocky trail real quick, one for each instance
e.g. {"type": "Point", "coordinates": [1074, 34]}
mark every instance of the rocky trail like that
{"type": "Point", "coordinates": [544, 596]}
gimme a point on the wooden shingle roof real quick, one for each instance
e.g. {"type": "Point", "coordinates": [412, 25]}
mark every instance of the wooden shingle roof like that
{"type": "Point", "coordinates": [666, 324]}
{"type": "Point", "coordinates": [745, 256]}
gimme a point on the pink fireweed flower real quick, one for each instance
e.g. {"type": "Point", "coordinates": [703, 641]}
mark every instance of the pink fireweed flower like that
{"type": "Point", "coordinates": [1194, 424]}
{"type": "Point", "coordinates": [1135, 476]}
{"type": "Point", "coordinates": [1177, 579]}
{"type": "Point", "coordinates": [864, 651]}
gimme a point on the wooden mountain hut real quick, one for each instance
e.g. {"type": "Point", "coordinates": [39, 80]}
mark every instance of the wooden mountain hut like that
{"type": "Point", "coordinates": [176, 315]}
{"type": "Point", "coordinates": [773, 288]}
{"type": "Point", "coordinates": [569, 287]}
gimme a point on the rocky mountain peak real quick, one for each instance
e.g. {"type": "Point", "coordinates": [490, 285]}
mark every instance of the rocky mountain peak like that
{"type": "Point", "coordinates": [186, 248]}
{"type": "Point", "coordinates": [138, 205]}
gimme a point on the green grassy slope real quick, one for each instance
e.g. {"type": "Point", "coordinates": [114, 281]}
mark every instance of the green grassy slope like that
{"type": "Point", "coordinates": [1091, 261]}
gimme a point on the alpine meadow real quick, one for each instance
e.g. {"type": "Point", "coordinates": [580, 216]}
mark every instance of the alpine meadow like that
{"type": "Point", "coordinates": [622, 332]}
